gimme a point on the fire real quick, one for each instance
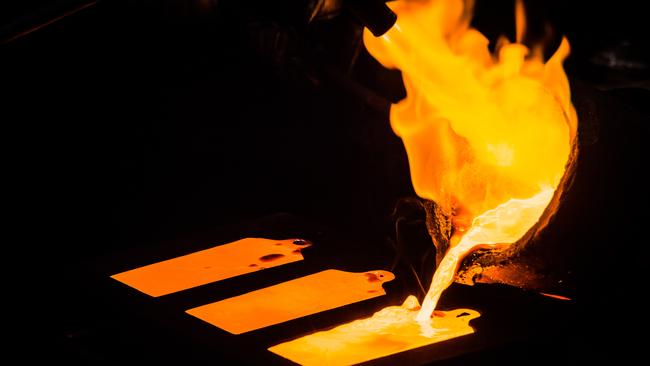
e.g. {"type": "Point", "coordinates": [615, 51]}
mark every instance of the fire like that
{"type": "Point", "coordinates": [487, 136]}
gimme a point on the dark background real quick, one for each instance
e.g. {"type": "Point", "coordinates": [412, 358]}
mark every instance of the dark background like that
{"type": "Point", "coordinates": [134, 123]}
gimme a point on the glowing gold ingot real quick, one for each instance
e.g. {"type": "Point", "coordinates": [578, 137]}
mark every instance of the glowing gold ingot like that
{"type": "Point", "coordinates": [292, 299]}
{"type": "Point", "coordinates": [210, 265]}
{"type": "Point", "coordinates": [390, 331]}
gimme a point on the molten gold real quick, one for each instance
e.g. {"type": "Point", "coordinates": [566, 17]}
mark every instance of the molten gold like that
{"type": "Point", "coordinates": [392, 330]}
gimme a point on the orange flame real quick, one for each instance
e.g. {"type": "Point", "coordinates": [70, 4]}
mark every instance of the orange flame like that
{"type": "Point", "coordinates": [487, 136]}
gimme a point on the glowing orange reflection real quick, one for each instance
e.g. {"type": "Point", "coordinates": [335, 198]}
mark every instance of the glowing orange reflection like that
{"type": "Point", "coordinates": [392, 330]}
{"type": "Point", "coordinates": [210, 265]}
{"type": "Point", "coordinates": [553, 296]}
{"type": "Point", "coordinates": [292, 299]}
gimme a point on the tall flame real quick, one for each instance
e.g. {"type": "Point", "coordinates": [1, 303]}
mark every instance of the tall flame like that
{"type": "Point", "coordinates": [487, 136]}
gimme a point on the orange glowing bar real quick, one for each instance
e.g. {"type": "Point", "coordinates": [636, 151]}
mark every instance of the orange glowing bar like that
{"type": "Point", "coordinates": [211, 265]}
{"type": "Point", "coordinates": [390, 331]}
{"type": "Point", "coordinates": [553, 296]}
{"type": "Point", "coordinates": [292, 299]}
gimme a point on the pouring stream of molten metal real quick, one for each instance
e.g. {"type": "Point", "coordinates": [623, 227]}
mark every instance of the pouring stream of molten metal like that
{"type": "Point", "coordinates": [494, 226]}
{"type": "Point", "coordinates": [487, 136]}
